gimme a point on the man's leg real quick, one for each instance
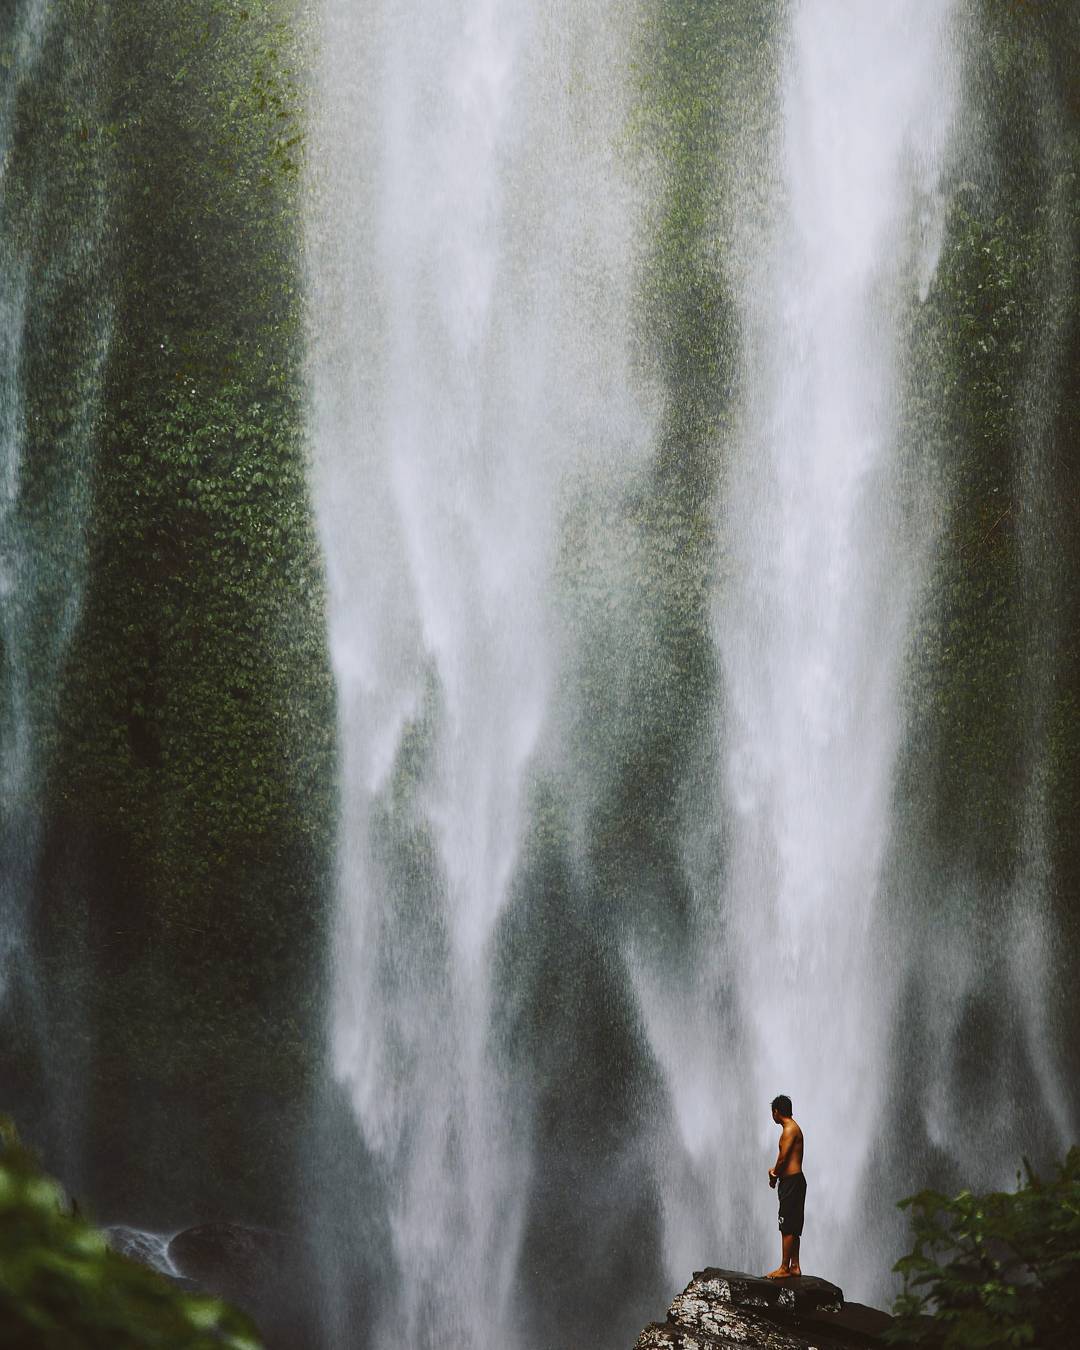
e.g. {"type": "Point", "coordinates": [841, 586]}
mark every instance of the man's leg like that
{"type": "Point", "coordinates": [783, 1270]}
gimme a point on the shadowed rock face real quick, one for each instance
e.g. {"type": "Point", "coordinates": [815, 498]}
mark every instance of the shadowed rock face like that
{"type": "Point", "coordinates": [261, 1270]}
{"type": "Point", "coordinates": [727, 1307]}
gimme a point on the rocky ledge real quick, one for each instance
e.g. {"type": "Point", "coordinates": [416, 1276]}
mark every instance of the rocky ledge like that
{"type": "Point", "coordinates": [727, 1307]}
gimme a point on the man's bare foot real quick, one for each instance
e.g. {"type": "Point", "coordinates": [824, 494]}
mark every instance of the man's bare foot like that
{"type": "Point", "coordinates": [779, 1274]}
{"type": "Point", "coordinates": [794, 1271]}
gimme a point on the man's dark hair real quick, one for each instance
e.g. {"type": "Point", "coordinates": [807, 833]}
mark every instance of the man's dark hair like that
{"type": "Point", "coordinates": [782, 1104]}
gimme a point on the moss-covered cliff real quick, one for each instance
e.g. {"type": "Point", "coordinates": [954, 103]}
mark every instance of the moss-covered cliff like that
{"type": "Point", "coordinates": [179, 920]}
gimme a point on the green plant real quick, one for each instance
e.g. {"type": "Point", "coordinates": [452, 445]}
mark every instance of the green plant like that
{"type": "Point", "coordinates": [1001, 1269]}
{"type": "Point", "coordinates": [63, 1288]}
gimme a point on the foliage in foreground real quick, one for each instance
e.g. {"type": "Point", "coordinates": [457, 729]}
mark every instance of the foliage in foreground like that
{"type": "Point", "coordinates": [1001, 1269]}
{"type": "Point", "coordinates": [62, 1288]}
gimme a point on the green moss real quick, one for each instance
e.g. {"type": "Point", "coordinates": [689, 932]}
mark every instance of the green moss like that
{"type": "Point", "coordinates": [991, 404]}
{"type": "Point", "coordinates": [184, 885]}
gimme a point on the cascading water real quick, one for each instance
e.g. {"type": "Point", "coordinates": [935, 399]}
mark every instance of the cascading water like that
{"type": "Point", "coordinates": [989, 1033]}
{"type": "Point", "coordinates": [27, 28]}
{"type": "Point", "coordinates": [53, 318]}
{"type": "Point", "coordinates": [471, 295]}
{"type": "Point", "coordinates": [813, 638]}
{"type": "Point", "coordinates": [798, 985]}
{"type": "Point", "coordinates": [474, 281]}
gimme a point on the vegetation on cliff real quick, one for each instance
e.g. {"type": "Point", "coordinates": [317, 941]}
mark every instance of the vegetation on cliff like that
{"type": "Point", "coordinates": [187, 808]}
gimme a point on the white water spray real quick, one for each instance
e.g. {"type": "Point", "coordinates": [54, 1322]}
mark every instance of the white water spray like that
{"type": "Point", "coordinates": [813, 637]}
{"type": "Point", "coordinates": [42, 539]}
{"type": "Point", "coordinates": [798, 989]}
{"type": "Point", "coordinates": [470, 253]}
{"type": "Point", "coordinates": [16, 753]}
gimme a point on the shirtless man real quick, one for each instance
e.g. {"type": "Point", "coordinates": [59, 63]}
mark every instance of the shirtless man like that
{"type": "Point", "coordinates": [787, 1174]}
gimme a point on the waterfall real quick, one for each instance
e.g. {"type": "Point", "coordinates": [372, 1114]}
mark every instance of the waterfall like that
{"type": "Point", "coordinates": [27, 25]}
{"type": "Point", "coordinates": [469, 239]}
{"type": "Point", "coordinates": [512, 559]}
{"type": "Point", "coordinates": [54, 333]}
{"type": "Point", "coordinates": [698, 647]}
{"type": "Point", "coordinates": [986, 1031]}
{"type": "Point", "coordinates": [827, 564]}
{"type": "Point", "coordinates": [797, 989]}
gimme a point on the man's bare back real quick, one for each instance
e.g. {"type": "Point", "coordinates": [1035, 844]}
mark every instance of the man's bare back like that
{"type": "Point", "coordinates": [787, 1174]}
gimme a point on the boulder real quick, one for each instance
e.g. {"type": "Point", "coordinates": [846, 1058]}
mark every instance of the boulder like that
{"type": "Point", "coordinates": [261, 1270]}
{"type": "Point", "coordinates": [233, 1256]}
{"type": "Point", "coordinates": [721, 1308]}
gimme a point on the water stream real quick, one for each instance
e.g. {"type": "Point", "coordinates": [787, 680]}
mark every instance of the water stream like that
{"type": "Point", "coordinates": [53, 316]}
{"type": "Point", "coordinates": [827, 565]}
{"type": "Point", "coordinates": [811, 629]}
{"type": "Point", "coordinates": [27, 25]}
{"type": "Point", "coordinates": [474, 265]}
{"type": "Point", "coordinates": [472, 289]}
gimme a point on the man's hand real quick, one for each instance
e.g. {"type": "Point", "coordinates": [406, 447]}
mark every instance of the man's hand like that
{"type": "Point", "coordinates": [772, 1179]}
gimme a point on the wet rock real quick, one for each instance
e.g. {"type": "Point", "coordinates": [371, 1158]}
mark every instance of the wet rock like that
{"type": "Point", "coordinates": [230, 1253]}
{"type": "Point", "coordinates": [730, 1308]}
{"type": "Point", "coordinates": [804, 1294]}
{"type": "Point", "coordinates": [149, 1249]}
{"type": "Point", "coordinates": [260, 1270]}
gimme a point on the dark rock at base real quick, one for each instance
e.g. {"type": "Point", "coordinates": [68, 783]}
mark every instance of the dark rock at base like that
{"type": "Point", "coordinates": [803, 1294]}
{"type": "Point", "coordinates": [730, 1308]}
{"type": "Point", "coordinates": [260, 1270]}
{"type": "Point", "coordinates": [857, 1320]}
{"type": "Point", "coordinates": [241, 1255]}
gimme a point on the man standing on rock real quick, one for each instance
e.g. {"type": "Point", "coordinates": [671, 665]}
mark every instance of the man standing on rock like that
{"type": "Point", "coordinates": [787, 1175]}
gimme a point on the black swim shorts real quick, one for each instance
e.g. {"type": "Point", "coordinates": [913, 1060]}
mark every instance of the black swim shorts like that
{"type": "Point", "coordinates": [792, 1192]}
